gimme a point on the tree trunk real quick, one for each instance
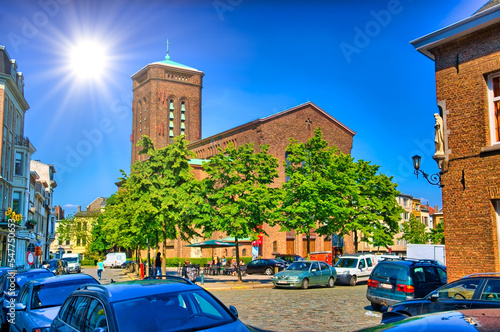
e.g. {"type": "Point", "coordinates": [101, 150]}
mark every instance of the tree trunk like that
{"type": "Point", "coordinates": [238, 271]}
{"type": "Point", "coordinates": [355, 241]}
{"type": "Point", "coordinates": [164, 249]}
{"type": "Point", "coordinates": [308, 237]}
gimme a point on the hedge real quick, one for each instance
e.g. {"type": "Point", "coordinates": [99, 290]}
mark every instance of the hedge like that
{"type": "Point", "coordinates": [174, 262]}
{"type": "Point", "coordinates": [89, 262]}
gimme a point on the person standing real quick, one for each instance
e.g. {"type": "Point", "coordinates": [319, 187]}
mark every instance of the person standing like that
{"type": "Point", "coordinates": [158, 262]}
{"type": "Point", "coordinates": [100, 268]}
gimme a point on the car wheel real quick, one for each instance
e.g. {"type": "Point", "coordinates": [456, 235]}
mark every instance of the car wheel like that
{"type": "Point", "coordinates": [376, 306]}
{"type": "Point", "coordinates": [331, 282]}
{"type": "Point", "coordinates": [305, 283]}
{"type": "Point", "coordinates": [353, 280]}
{"type": "Point", "coordinates": [268, 271]}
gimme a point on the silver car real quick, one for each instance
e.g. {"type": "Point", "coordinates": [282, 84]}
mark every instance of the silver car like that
{"type": "Point", "coordinates": [39, 300]}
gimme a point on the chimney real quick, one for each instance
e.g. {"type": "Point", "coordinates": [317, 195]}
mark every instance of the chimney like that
{"type": "Point", "coordinates": [79, 209]}
{"type": "Point", "coordinates": [436, 208]}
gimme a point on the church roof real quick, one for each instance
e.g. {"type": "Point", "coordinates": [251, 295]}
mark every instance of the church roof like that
{"type": "Point", "coordinates": [272, 117]}
{"type": "Point", "coordinates": [169, 62]}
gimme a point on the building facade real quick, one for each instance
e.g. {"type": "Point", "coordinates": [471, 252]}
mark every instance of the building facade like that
{"type": "Point", "coordinates": [167, 103]}
{"type": "Point", "coordinates": [83, 221]}
{"type": "Point", "coordinates": [466, 59]}
{"type": "Point", "coordinates": [42, 210]}
{"type": "Point", "coordinates": [15, 156]}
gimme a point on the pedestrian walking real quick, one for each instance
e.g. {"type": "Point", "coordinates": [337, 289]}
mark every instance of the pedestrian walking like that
{"type": "Point", "coordinates": [158, 262]}
{"type": "Point", "coordinates": [99, 268]}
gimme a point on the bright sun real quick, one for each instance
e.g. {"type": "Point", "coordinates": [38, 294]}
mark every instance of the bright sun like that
{"type": "Point", "coordinates": [88, 60]}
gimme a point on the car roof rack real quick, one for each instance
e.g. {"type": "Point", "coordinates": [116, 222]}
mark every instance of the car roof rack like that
{"type": "Point", "coordinates": [481, 274]}
{"type": "Point", "coordinates": [170, 278]}
{"type": "Point", "coordinates": [421, 260]}
{"type": "Point", "coordinates": [98, 287]}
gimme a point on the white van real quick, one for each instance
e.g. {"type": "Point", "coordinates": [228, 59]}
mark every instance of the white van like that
{"type": "Point", "coordinates": [74, 262]}
{"type": "Point", "coordinates": [353, 268]}
{"type": "Point", "coordinates": [115, 259]}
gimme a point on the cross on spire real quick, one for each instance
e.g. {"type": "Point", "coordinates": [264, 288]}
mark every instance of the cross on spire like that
{"type": "Point", "coordinates": [167, 57]}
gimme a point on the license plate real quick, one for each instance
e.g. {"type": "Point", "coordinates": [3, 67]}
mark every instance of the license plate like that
{"type": "Point", "coordinates": [282, 282]}
{"type": "Point", "coordinates": [386, 286]}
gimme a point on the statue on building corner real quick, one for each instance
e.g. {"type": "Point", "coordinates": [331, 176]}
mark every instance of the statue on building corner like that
{"type": "Point", "coordinates": [439, 134]}
{"type": "Point", "coordinates": [439, 141]}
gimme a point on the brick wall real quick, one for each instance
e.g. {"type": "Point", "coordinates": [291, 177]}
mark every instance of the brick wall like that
{"type": "Point", "coordinates": [462, 67]}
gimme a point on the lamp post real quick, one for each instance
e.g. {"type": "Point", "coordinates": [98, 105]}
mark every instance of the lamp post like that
{"type": "Point", "coordinates": [434, 179]}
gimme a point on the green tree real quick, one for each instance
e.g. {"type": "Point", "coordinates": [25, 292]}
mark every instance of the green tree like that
{"type": "Point", "coordinates": [329, 191]}
{"type": "Point", "coordinates": [238, 195]}
{"type": "Point", "coordinates": [99, 244]}
{"type": "Point", "coordinates": [320, 185]}
{"type": "Point", "coordinates": [437, 234]}
{"type": "Point", "coordinates": [414, 231]}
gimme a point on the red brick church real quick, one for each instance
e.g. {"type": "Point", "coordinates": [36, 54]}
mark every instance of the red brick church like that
{"type": "Point", "coordinates": [167, 103]}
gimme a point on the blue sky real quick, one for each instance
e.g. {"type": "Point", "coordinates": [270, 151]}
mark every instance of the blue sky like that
{"type": "Point", "coordinates": [351, 58]}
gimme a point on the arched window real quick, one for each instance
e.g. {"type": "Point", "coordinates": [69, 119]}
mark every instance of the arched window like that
{"type": "Point", "coordinates": [275, 246]}
{"type": "Point", "coordinates": [183, 117]}
{"type": "Point", "coordinates": [244, 252]}
{"type": "Point", "coordinates": [171, 126]}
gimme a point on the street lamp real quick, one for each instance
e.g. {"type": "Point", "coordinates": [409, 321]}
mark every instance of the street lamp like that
{"type": "Point", "coordinates": [434, 179]}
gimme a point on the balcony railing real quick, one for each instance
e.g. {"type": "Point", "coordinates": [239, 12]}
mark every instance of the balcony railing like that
{"type": "Point", "coordinates": [22, 141]}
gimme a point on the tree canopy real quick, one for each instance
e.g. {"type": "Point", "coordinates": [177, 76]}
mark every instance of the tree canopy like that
{"type": "Point", "coordinates": [238, 193]}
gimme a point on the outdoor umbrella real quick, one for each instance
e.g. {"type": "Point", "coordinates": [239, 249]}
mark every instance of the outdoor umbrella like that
{"type": "Point", "coordinates": [212, 244]}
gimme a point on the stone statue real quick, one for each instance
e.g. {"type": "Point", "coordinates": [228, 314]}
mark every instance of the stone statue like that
{"type": "Point", "coordinates": [439, 135]}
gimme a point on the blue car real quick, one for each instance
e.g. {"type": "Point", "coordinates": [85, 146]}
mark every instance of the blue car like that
{"type": "Point", "coordinates": [10, 284]}
{"type": "Point", "coordinates": [172, 304]}
{"type": "Point", "coordinates": [39, 300]}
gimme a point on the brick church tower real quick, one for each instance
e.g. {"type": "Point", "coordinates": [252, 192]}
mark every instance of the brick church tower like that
{"type": "Point", "coordinates": [167, 103]}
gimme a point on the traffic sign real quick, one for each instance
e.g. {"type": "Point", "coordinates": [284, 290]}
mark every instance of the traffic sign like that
{"type": "Point", "coordinates": [30, 258]}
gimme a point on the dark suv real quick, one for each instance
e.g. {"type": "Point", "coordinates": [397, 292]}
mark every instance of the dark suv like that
{"type": "Point", "coordinates": [393, 281]}
{"type": "Point", "coordinates": [475, 291]}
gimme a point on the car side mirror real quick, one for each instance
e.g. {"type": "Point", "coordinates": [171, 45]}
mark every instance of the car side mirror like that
{"type": "Point", "coordinates": [434, 297]}
{"type": "Point", "coordinates": [19, 307]}
{"type": "Point", "coordinates": [233, 310]}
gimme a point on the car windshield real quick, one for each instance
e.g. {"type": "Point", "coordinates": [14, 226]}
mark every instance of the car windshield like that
{"type": "Point", "coordinates": [54, 294]}
{"type": "Point", "coordinates": [299, 266]}
{"type": "Point", "coordinates": [347, 262]}
{"type": "Point", "coordinates": [190, 311]}
{"type": "Point", "coordinates": [71, 259]}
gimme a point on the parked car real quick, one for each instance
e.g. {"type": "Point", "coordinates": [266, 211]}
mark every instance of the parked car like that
{"type": "Point", "coordinates": [172, 304]}
{"type": "Point", "coordinates": [39, 300]}
{"type": "Point", "coordinates": [475, 291]}
{"type": "Point", "coordinates": [10, 284]}
{"type": "Point", "coordinates": [265, 265]}
{"type": "Point", "coordinates": [393, 281]}
{"type": "Point", "coordinates": [127, 264]}
{"type": "Point", "coordinates": [354, 268]}
{"type": "Point", "coordinates": [54, 265]}
{"type": "Point", "coordinates": [473, 320]}
{"type": "Point", "coordinates": [74, 262]}
{"type": "Point", "coordinates": [115, 259]}
{"type": "Point", "coordinates": [303, 274]}
{"type": "Point", "coordinates": [289, 258]}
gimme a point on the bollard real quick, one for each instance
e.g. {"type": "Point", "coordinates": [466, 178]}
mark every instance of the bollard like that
{"type": "Point", "coordinates": [275, 269]}
{"type": "Point", "coordinates": [202, 281]}
{"type": "Point", "coordinates": [142, 271]}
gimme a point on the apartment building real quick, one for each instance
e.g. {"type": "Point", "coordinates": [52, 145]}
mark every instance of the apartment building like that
{"type": "Point", "coordinates": [15, 156]}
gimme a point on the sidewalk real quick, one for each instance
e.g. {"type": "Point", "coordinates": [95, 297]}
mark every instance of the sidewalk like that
{"type": "Point", "coordinates": [220, 282]}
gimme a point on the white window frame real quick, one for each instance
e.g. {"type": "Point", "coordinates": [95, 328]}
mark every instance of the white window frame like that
{"type": "Point", "coordinates": [491, 109]}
